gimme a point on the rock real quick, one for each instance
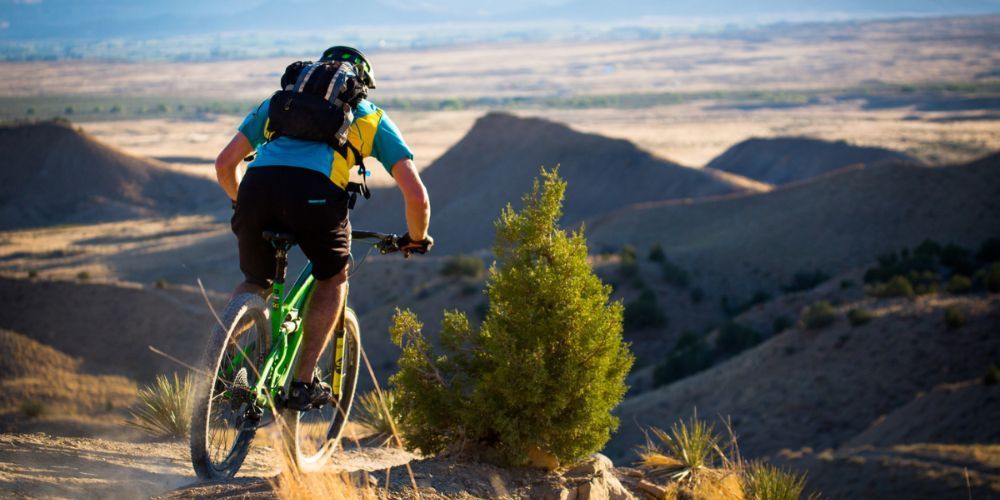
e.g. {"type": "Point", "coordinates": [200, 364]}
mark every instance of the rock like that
{"type": "Point", "coordinates": [596, 464]}
{"type": "Point", "coordinates": [651, 489]}
{"type": "Point", "coordinates": [603, 487]}
{"type": "Point", "coordinates": [599, 480]}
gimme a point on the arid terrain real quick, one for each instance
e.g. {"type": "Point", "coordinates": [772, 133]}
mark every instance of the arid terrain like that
{"type": "Point", "coordinates": [750, 159]}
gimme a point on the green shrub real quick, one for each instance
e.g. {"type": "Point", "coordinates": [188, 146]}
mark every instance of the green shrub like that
{"type": "Point", "coordinates": [550, 326]}
{"type": "Point", "coordinates": [33, 408]}
{"type": "Point", "coordinates": [959, 284]}
{"type": "Point", "coordinates": [989, 251]}
{"type": "Point", "coordinates": [160, 283]}
{"type": "Point", "coordinates": [992, 376]}
{"type": "Point", "coordinates": [781, 323]}
{"type": "Point", "coordinates": [164, 408]}
{"type": "Point", "coordinates": [656, 253]}
{"type": "Point", "coordinates": [924, 283]}
{"type": "Point", "coordinates": [766, 482]}
{"type": "Point", "coordinates": [691, 355]}
{"type": "Point", "coordinates": [992, 279]}
{"type": "Point", "coordinates": [83, 275]}
{"type": "Point", "coordinates": [32, 273]}
{"type": "Point", "coordinates": [845, 284]}
{"type": "Point", "coordinates": [805, 280]}
{"type": "Point", "coordinates": [458, 266]}
{"type": "Point", "coordinates": [644, 312]}
{"type": "Point", "coordinates": [697, 295]}
{"type": "Point", "coordinates": [628, 266]}
{"type": "Point", "coordinates": [674, 274]}
{"type": "Point", "coordinates": [958, 259]}
{"type": "Point", "coordinates": [735, 338]}
{"type": "Point", "coordinates": [898, 286]}
{"type": "Point", "coordinates": [819, 315]}
{"type": "Point", "coordinates": [859, 316]}
{"type": "Point", "coordinates": [954, 317]}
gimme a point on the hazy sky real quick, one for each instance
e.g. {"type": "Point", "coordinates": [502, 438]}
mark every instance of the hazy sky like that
{"type": "Point", "coordinates": [47, 19]}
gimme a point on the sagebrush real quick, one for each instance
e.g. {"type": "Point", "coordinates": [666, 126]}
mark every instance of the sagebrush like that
{"type": "Point", "coordinates": [543, 371]}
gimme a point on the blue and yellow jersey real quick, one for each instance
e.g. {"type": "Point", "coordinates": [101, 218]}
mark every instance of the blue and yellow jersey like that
{"type": "Point", "coordinates": [372, 133]}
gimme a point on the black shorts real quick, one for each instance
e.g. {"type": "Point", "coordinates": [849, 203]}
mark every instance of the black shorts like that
{"type": "Point", "coordinates": [293, 200]}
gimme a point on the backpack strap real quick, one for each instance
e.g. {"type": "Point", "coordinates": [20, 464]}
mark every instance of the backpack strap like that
{"type": "Point", "coordinates": [357, 187]}
{"type": "Point", "coordinates": [304, 76]}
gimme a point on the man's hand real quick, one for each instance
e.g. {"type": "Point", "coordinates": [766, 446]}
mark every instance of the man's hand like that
{"type": "Point", "coordinates": [407, 245]}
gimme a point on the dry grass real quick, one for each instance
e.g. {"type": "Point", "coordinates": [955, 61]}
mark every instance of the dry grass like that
{"type": "Point", "coordinates": [688, 448]}
{"type": "Point", "coordinates": [377, 417]}
{"type": "Point", "coordinates": [294, 484]}
{"type": "Point", "coordinates": [164, 408]}
{"type": "Point", "coordinates": [767, 482]}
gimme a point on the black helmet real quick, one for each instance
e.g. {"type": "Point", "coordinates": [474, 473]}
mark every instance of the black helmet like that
{"type": "Point", "coordinates": [354, 56]}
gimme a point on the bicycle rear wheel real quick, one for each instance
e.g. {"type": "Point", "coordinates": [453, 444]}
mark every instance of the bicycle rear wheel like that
{"type": "Point", "coordinates": [225, 415]}
{"type": "Point", "coordinates": [312, 435]}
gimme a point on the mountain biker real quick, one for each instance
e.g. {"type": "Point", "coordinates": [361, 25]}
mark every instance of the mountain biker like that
{"type": "Point", "coordinates": [299, 186]}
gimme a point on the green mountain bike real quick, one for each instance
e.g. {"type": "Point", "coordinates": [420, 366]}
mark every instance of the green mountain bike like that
{"type": "Point", "coordinates": [248, 365]}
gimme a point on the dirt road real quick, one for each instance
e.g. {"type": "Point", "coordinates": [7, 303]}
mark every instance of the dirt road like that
{"type": "Point", "coordinates": [39, 465]}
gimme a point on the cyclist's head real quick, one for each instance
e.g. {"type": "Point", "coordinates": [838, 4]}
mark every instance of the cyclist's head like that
{"type": "Point", "coordinates": [354, 56]}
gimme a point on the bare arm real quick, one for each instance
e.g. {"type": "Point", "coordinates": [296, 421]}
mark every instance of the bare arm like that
{"type": "Point", "coordinates": [227, 161]}
{"type": "Point", "coordinates": [418, 204]}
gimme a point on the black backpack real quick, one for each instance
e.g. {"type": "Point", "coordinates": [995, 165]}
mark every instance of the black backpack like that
{"type": "Point", "coordinates": [316, 103]}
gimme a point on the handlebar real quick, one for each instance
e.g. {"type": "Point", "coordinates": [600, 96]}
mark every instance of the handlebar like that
{"type": "Point", "coordinates": [386, 244]}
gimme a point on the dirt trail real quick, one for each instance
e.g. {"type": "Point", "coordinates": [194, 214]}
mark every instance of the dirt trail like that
{"type": "Point", "coordinates": [39, 465]}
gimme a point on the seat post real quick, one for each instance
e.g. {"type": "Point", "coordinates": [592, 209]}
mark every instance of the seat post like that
{"type": "Point", "coordinates": [281, 267]}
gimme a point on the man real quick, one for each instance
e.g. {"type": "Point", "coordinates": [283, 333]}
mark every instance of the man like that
{"type": "Point", "coordinates": [298, 186]}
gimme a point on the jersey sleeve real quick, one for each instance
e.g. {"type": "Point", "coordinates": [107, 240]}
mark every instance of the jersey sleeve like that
{"type": "Point", "coordinates": [255, 122]}
{"type": "Point", "coordinates": [388, 147]}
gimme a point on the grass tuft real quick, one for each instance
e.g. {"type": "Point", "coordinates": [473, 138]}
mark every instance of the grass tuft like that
{"type": "Point", "coordinates": [954, 317]}
{"type": "Point", "coordinates": [819, 315]}
{"type": "Point", "coordinates": [164, 408]}
{"type": "Point", "coordinates": [767, 482]}
{"type": "Point", "coordinates": [372, 414]}
{"type": "Point", "coordinates": [687, 448]}
{"type": "Point", "coordinates": [859, 316]}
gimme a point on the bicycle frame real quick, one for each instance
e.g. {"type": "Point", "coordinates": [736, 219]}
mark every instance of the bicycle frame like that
{"type": "Point", "coordinates": [286, 329]}
{"type": "Point", "coordinates": [286, 336]}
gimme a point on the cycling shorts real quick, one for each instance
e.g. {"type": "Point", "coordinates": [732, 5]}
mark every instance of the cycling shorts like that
{"type": "Point", "coordinates": [293, 200]}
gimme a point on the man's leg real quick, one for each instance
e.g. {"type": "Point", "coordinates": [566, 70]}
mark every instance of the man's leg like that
{"type": "Point", "coordinates": [322, 312]}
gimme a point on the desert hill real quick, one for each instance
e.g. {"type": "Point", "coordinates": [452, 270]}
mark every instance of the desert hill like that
{"type": "Point", "coordinates": [109, 327]}
{"type": "Point", "coordinates": [787, 159]}
{"type": "Point", "coordinates": [53, 174]}
{"type": "Point", "coordinates": [497, 160]}
{"type": "Point", "coordinates": [901, 380]}
{"type": "Point", "coordinates": [833, 223]}
{"type": "Point", "coordinates": [42, 389]}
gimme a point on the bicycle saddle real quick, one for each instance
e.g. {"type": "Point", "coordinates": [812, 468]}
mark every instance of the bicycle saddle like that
{"type": "Point", "coordinates": [283, 240]}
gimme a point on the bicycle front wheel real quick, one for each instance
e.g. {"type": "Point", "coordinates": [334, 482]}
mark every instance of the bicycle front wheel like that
{"type": "Point", "coordinates": [225, 412]}
{"type": "Point", "coordinates": [312, 435]}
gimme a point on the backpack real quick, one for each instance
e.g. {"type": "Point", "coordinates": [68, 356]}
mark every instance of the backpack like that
{"type": "Point", "coordinates": [316, 103]}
